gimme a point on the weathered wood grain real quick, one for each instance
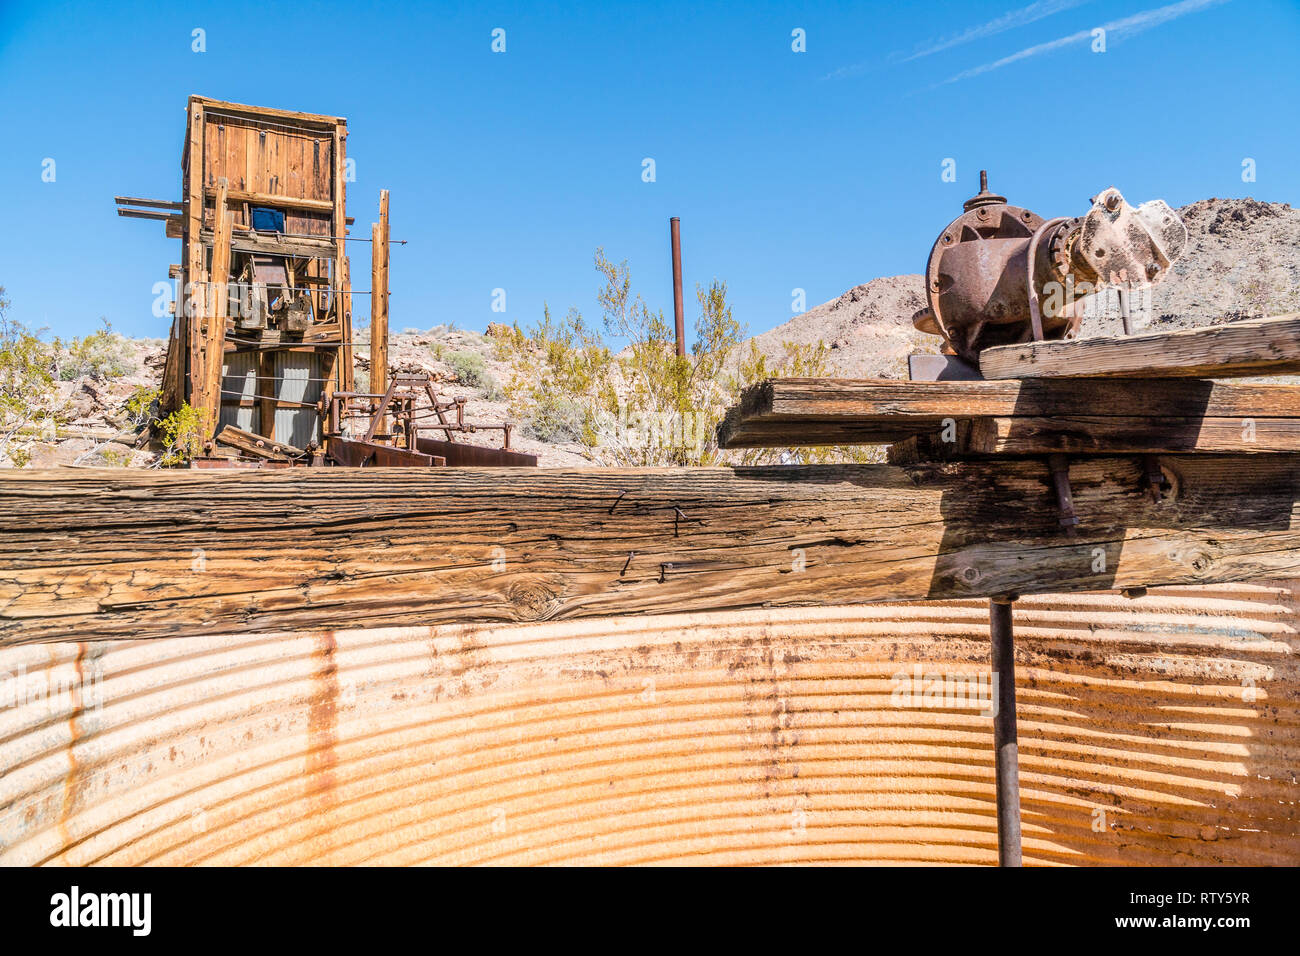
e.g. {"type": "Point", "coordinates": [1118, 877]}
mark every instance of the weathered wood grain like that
{"type": "Point", "coordinates": [1254, 347]}
{"type": "Point", "coordinates": [379, 298]}
{"type": "Point", "coordinates": [249, 443]}
{"type": "Point", "coordinates": [808, 411]}
{"type": "Point", "coordinates": [1100, 434]}
{"type": "Point", "coordinates": [107, 554]}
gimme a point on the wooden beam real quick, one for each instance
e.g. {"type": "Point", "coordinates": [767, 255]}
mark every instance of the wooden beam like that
{"type": "Point", "coordinates": [172, 378]}
{"type": "Point", "coordinates": [189, 316]}
{"type": "Point", "coordinates": [1099, 434]}
{"type": "Point", "coordinates": [379, 298]}
{"type": "Point", "coordinates": [256, 113]}
{"type": "Point", "coordinates": [1255, 347]}
{"type": "Point", "coordinates": [111, 553]}
{"type": "Point", "coordinates": [266, 394]}
{"type": "Point", "coordinates": [214, 330]}
{"type": "Point", "coordinates": [279, 201]}
{"type": "Point", "coordinates": [250, 444]}
{"type": "Point", "coordinates": [807, 411]}
{"type": "Point", "coordinates": [276, 246]}
{"type": "Point", "coordinates": [172, 204]}
{"type": "Point", "coordinates": [342, 265]}
{"type": "Point", "coordinates": [165, 217]}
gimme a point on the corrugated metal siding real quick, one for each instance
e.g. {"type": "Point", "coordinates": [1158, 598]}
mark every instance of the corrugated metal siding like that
{"type": "Point", "coordinates": [1160, 730]}
{"type": "Point", "coordinates": [238, 382]}
{"type": "Point", "coordinates": [295, 372]}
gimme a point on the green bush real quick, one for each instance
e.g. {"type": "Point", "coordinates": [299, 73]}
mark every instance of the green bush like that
{"type": "Point", "coordinates": [100, 355]}
{"type": "Point", "coordinates": [556, 419]}
{"type": "Point", "coordinates": [30, 411]}
{"type": "Point", "coordinates": [469, 367]}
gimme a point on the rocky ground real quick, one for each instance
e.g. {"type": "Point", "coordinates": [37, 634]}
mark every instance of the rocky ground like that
{"type": "Point", "coordinates": [431, 353]}
{"type": "Point", "coordinates": [1242, 261]}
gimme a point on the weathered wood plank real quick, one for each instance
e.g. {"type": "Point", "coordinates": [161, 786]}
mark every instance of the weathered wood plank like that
{"type": "Point", "coordinates": [1100, 434]}
{"type": "Point", "coordinates": [101, 554]}
{"type": "Point", "coordinates": [379, 298]}
{"type": "Point", "coordinates": [214, 331]}
{"type": "Point", "coordinates": [283, 202]}
{"type": "Point", "coordinates": [265, 243]}
{"type": "Point", "coordinates": [342, 268]}
{"type": "Point", "coordinates": [1254, 347]}
{"type": "Point", "coordinates": [803, 411]}
{"type": "Point", "coordinates": [257, 445]}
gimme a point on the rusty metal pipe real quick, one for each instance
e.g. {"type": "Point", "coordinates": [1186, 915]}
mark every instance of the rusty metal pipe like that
{"type": "Point", "coordinates": [679, 308]}
{"type": "Point", "coordinates": [1006, 748]}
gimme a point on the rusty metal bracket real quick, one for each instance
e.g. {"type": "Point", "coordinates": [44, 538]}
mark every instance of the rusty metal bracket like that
{"type": "Point", "coordinates": [1153, 476]}
{"type": "Point", "coordinates": [1060, 468]}
{"type": "Point", "coordinates": [1031, 282]}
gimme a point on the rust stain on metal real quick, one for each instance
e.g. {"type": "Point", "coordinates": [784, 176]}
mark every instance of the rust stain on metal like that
{"type": "Point", "coordinates": [1158, 729]}
{"type": "Point", "coordinates": [322, 735]}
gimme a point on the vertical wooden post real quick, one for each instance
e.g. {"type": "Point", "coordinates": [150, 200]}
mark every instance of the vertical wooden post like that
{"type": "Point", "coordinates": [266, 400]}
{"type": "Point", "coordinates": [379, 298]}
{"type": "Point", "coordinates": [214, 331]}
{"type": "Point", "coordinates": [193, 287]}
{"type": "Point", "coordinates": [342, 269]}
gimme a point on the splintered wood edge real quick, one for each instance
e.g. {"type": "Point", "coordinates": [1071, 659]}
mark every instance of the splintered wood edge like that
{"type": "Point", "coordinates": [1250, 347]}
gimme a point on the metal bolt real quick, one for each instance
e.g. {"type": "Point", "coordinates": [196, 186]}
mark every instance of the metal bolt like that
{"type": "Point", "coordinates": [1153, 269]}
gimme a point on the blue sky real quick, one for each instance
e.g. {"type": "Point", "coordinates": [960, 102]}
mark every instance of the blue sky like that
{"type": "Point", "coordinates": [815, 170]}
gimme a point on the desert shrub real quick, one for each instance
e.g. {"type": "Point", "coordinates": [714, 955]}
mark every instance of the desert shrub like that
{"type": "Point", "coordinates": [30, 411]}
{"type": "Point", "coordinates": [469, 367]}
{"type": "Point", "coordinates": [645, 405]}
{"type": "Point", "coordinates": [100, 355]}
{"type": "Point", "coordinates": [182, 435]}
{"type": "Point", "coordinates": [555, 419]}
{"type": "Point", "coordinates": [491, 388]}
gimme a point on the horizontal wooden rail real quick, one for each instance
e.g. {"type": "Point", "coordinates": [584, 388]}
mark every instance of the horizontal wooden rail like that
{"type": "Point", "coordinates": [1254, 347]}
{"type": "Point", "coordinates": [811, 411]}
{"type": "Point", "coordinates": [271, 199]}
{"type": "Point", "coordinates": [88, 554]}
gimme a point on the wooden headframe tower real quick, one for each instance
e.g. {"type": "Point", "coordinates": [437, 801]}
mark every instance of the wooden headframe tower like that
{"type": "Point", "coordinates": [263, 317]}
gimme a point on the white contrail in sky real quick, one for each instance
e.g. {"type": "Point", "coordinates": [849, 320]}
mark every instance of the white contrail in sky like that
{"type": "Point", "coordinates": [1128, 26]}
{"type": "Point", "coordinates": [1008, 21]}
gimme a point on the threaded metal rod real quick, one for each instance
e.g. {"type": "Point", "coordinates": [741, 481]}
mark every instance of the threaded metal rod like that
{"type": "Point", "coordinates": [1005, 746]}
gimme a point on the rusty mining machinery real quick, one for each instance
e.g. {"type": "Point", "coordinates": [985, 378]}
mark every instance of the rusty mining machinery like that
{"type": "Point", "coordinates": [1002, 275]}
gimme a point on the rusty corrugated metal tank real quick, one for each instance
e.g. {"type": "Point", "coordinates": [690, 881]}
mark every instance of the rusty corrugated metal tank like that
{"type": "Point", "coordinates": [1159, 730]}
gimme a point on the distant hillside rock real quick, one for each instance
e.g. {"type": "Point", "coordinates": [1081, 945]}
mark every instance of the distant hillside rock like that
{"type": "Point", "coordinates": [868, 329]}
{"type": "Point", "coordinates": [1242, 261]}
